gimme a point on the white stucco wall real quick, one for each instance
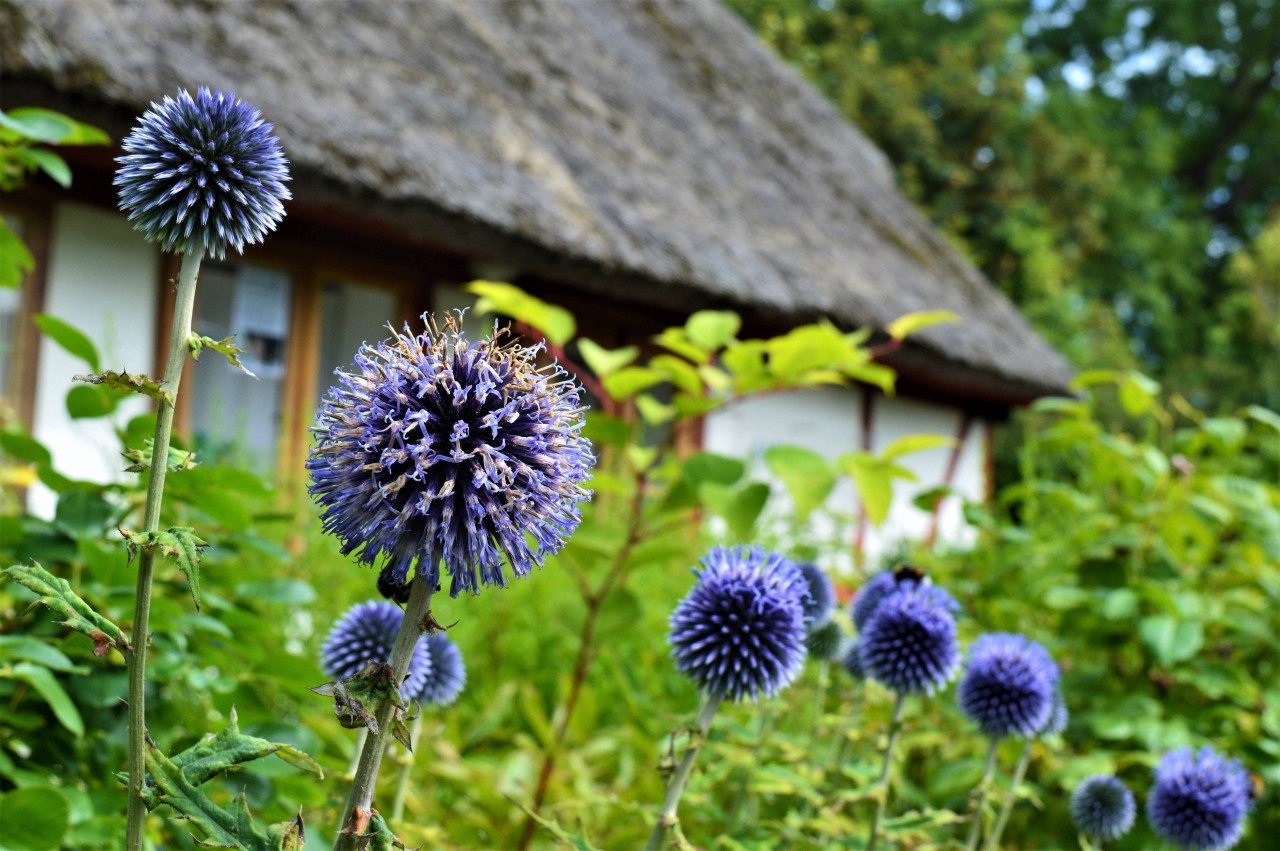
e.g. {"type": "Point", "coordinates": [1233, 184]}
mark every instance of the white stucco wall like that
{"type": "Point", "coordinates": [102, 278]}
{"type": "Point", "coordinates": [829, 421]}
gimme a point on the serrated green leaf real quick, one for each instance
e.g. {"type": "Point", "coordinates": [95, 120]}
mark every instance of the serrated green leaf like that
{"type": "Point", "coordinates": [57, 596]}
{"type": "Point", "coordinates": [602, 361]}
{"type": "Point", "coordinates": [910, 323]}
{"type": "Point", "coordinates": [226, 828]}
{"type": "Point", "coordinates": [179, 459]}
{"type": "Point", "coordinates": [180, 543]}
{"type": "Point", "coordinates": [129, 384]}
{"type": "Point", "coordinates": [71, 339]}
{"type": "Point", "coordinates": [225, 347]}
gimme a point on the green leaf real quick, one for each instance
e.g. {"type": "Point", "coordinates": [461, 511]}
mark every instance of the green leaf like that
{"type": "Point", "coordinates": [83, 514]}
{"type": "Point", "coordinates": [225, 347]}
{"type": "Point", "coordinates": [740, 508]}
{"type": "Point", "coordinates": [1171, 640]}
{"type": "Point", "coordinates": [47, 686]}
{"type": "Point", "coordinates": [702, 467]}
{"type": "Point", "coordinates": [291, 591]}
{"type": "Point", "coordinates": [179, 543]}
{"type": "Point", "coordinates": [653, 411]}
{"type": "Point", "coordinates": [53, 128]}
{"type": "Point", "coordinates": [712, 329]}
{"type": "Point", "coordinates": [35, 818]}
{"type": "Point", "coordinates": [56, 595]}
{"type": "Point", "coordinates": [674, 340]}
{"type": "Point", "coordinates": [807, 348]}
{"type": "Point", "coordinates": [179, 459]}
{"type": "Point", "coordinates": [908, 324]}
{"type": "Point", "coordinates": [555, 323]}
{"type": "Point", "coordinates": [130, 384]}
{"type": "Point", "coordinates": [50, 163]}
{"type": "Point", "coordinates": [227, 828]}
{"type": "Point", "coordinates": [26, 648]}
{"type": "Point", "coordinates": [576, 841]}
{"type": "Point", "coordinates": [916, 443]}
{"type": "Point", "coordinates": [807, 476]}
{"type": "Point", "coordinates": [679, 372]}
{"type": "Point", "coordinates": [71, 339]}
{"type": "Point", "coordinates": [86, 402]}
{"type": "Point", "coordinates": [24, 447]}
{"type": "Point", "coordinates": [602, 361]}
{"type": "Point", "coordinates": [873, 478]}
{"type": "Point", "coordinates": [874, 374]}
{"type": "Point", "coordinates": [630, 380]}
{"type": "Point", "coordinates": [15, 259]}
{"type": "Point", "coordinates": [1138, 393]}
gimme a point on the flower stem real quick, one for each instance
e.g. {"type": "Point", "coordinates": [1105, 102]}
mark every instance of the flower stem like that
{"type": "Point", "coordinates": [975, 831]}
{"type": "Point", "coordinates": [356, 814]}
{"type": "Point", "coordinates": [402, 782]}
{"type": "Point", "coordinates": [1019, 774]}
{"type": "Point", "coordinates": [180, 333]}
{"type": "Point", "coordinates": [668, 819]}
{"type": "Point", "coordinates": [882, 799]}
{"type": "Point", "coordinates": [740, 798]}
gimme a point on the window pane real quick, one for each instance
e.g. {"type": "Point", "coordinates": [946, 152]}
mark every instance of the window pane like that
{"type": "Point", "coordinates": [350, 314]}
{"type": "Point", "coordinates": [234, 417]}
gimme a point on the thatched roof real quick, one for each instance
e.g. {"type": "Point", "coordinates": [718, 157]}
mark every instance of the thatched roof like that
{"type": "Point", "coordinates": [656, 142]}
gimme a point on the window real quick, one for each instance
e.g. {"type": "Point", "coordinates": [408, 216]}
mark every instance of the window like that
{"type": "Point", "coordinates": [234, 417]}
{"type": "Point", "coordinates": [350, 314]}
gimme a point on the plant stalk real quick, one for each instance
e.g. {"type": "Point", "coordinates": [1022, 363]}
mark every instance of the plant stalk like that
{"type": "Point", "coordinates": [667, 818]}
{"type": "Point", "coordinates": [180, 333]}
{"type": "Point", "coordinates": [1019, 774]}
{"type": "Point", "coordinates": [975, 830]}
{"type": "Point", "coordinates": [402, 782]}
{"type": "Point", "coordinates": [356, 814]}
{"type": "Point", "coordinates": [882, 799]}
{"type": "Point", "coordinates": [740, 798]}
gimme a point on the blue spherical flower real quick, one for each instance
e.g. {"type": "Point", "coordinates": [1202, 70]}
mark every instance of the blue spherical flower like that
{"type": "Point", "coordinates": [366, 633]}
{"type": "Point", "coordinates": [1102, 808]}
{"type": "Point", "coordinates": [1008, 685]}
{"type": "Point", "coordinates": [824, 641]}
{"type": "Point", "coordinates": [203, 171]}
{"type": "Point", "coordinates": [740, 632]}
{"type": "Point", "coordinates": [434, 448]}
{"type": "Point", "coordinates": [822, 594]}
{"type": "Point", "coordinates": [851, 659]}
{"type": "Point", "coordinates": [1058, 716]}
{"type": "Point", "coordinates": [1199, 800]}
{"type": "Point", "coordinates": [909, 642]}
{"type": "Point", "coordinates": [881, 585]}
{"type": "Point", "coordinates": [445, 680]}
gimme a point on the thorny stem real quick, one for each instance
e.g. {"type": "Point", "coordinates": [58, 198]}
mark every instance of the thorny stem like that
{"type": "Point", "coordinates": [360, 800]}
{"type": "Point", "coordinates": [582, 665]}
{"type": "Point", "coordinates": [668, 819]}
{"type": "Point", "coordinates": [975, 831]}
{"type": "Point", "coordinates": [1019, 774]}
{"type": "Point", "coordinates": [180, 333]}
{"type": "Point", "coordinates": [402, 783]}
{"type": "Point", "coordinates": [882, 795]}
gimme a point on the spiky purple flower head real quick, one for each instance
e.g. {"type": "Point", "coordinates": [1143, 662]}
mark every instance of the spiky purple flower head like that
{"type": "Point", "coordinates": [1059, 716]}
{"type": "Point", "coordinates": [824, 641]}
{"type": "Point", "coordinates": [878, 587]}
{"type": "Point", "coordinates": [1008, 685]}
{"type": "Point", "coordinates": [203, 170]}
{"type": "Point", "coordinates": [433, 448]}
{"type": "Point", "coordinates": [822, 594]}
{"type": "Point", "coordinates": [908, 644]}
{"type": "Point", "coordinates": [740, 632]}
{"type": "Point", "coordinates": [448, 675]}
{"type": "Point", "coordinates": [1199, 800]}
{"type": "Point", "coordinates": [851, 659]}
{"type": "Point", "coordinates": [366, 634]}
{"type": "Point", "coordinates": [1102, 808]}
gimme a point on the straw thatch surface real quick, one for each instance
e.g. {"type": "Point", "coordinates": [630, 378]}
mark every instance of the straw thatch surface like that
{"type": "Point", "coordinates": [653, 140]}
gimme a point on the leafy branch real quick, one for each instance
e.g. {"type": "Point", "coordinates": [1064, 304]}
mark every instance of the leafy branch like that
{"type": "Point", "coordinates": [56, 594]}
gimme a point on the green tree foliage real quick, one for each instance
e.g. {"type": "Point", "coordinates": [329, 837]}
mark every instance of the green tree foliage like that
{"type": "Point", "coordinates": [1100, 162]}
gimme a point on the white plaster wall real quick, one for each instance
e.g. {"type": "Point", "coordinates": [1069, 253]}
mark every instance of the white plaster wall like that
{"type": "Point", "coordinates": [102, 278]}
{"type": "Point", "coordinates": [829, 421]}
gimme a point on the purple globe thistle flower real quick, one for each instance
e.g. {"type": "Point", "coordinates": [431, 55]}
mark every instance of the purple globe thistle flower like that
{"type": "Point", "coordinates": [881, 585]}
{"type": "Point", "coordinates": [1058, 716]}
{"type": "Point", "coordinates": [1008, 685]}
{"type": "Point", "coordinates": [824, 640]}
{"type": "Point", "coordinates": [366, 634]}
{"type": "Point", "coordinates": [433, 448]}
{"type": "Point", "coordinates": [1199, 800]}
{"type": "Point", "coordinates": [740, 632]}
{"type": "Point", "coordinates": [1102, 808]}
{"type": "Point", "coordinates": [447, 676]}
{"type": "Point", "coordinates": [203, 170]}
{"type": "Point", "coordinates": [822, 594]}
{"type": "Point", "coordinates": [851, 659]}
{"type": "Point", "coordinates": [909, 642]}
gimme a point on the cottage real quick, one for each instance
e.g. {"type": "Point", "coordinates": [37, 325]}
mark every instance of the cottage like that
{"type": "Point", "coordinates": [632, 161]}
